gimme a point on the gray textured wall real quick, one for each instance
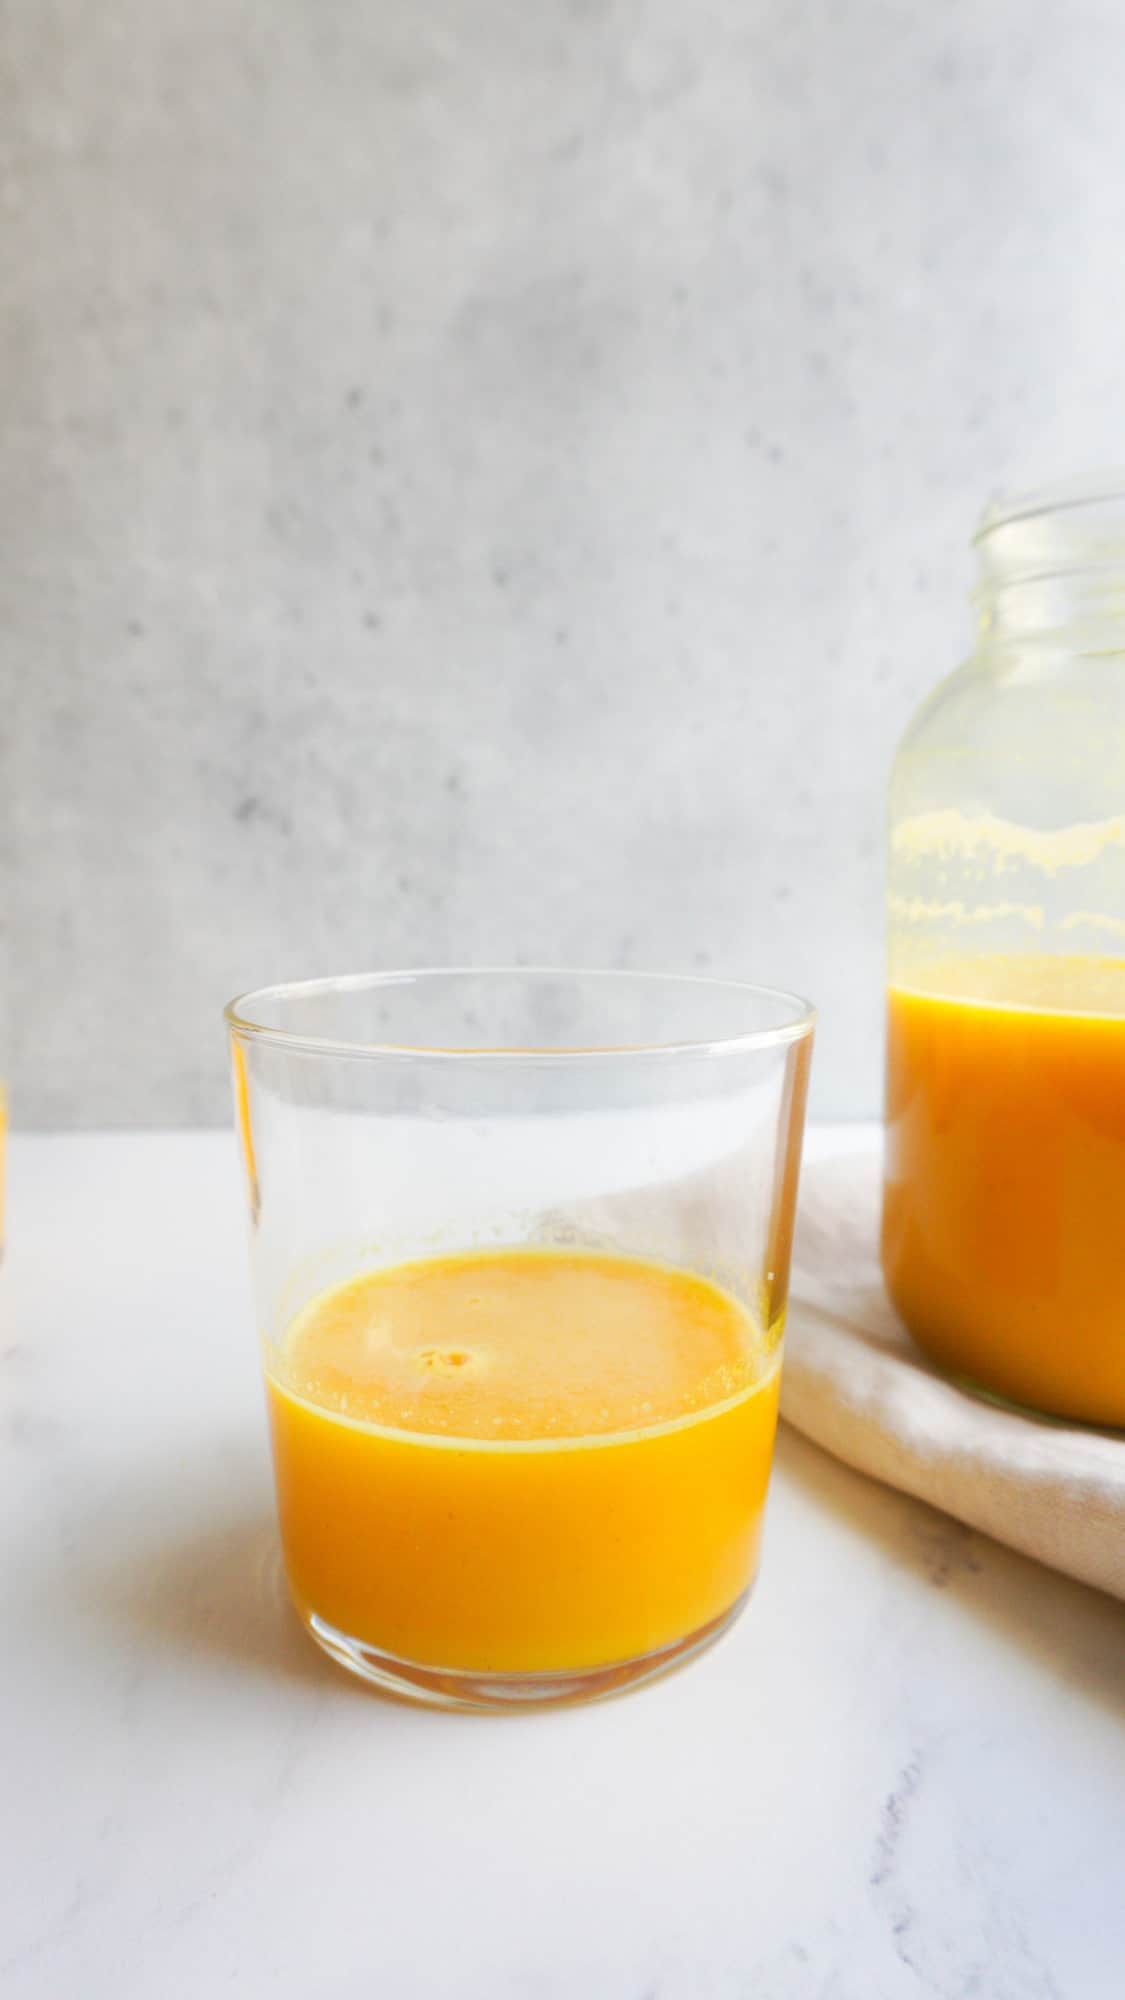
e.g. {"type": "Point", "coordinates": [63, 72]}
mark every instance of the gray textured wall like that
{"type": "Point", "coordinates": [485, 480]}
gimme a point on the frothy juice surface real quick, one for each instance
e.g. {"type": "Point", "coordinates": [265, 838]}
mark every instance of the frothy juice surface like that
{"type": "Point", "coordinates": [522, 1461]}
{"type": "Point", "coordinates": [1004, 1212]}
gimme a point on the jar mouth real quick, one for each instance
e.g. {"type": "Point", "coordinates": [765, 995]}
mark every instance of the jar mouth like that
{"type": "Point", "coordinates": [1100, 489]}
{"type": "Point", "coordinates": [1053, 563]}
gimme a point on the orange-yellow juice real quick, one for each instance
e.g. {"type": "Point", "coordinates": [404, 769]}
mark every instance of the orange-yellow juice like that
{"type": "Point", "coordinates": [1004, 1216]}
{"type": "Point", "coordinates": [522, 1461]}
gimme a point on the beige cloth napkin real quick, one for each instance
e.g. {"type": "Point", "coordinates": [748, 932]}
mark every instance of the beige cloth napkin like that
{"type": "Point", "coordinates": [855, 1383]}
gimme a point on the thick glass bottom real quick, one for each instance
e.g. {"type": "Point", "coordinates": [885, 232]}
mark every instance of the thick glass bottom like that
{"type": "Point", "coordinates": [446, 1687]}
{"type": "Point", "coordinates": [1058, 1408]}
{"type": "Point", "coordinates": [1016, 1408]}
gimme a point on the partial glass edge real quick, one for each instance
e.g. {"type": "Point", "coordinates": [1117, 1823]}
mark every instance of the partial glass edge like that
{"type": "Point", "coordinates": [238, 1020]}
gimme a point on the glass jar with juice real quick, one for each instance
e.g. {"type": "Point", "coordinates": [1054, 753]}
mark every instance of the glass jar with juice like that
{"type": "Point", "coordinates": [1004, 1200]}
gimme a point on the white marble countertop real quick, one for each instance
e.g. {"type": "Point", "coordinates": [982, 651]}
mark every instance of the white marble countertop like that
{"type": "Point", "coordinates": [902, 1774]}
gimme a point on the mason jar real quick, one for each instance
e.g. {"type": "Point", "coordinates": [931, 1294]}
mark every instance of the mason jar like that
{"type": "Point", "coordinates": [1004, 1198]}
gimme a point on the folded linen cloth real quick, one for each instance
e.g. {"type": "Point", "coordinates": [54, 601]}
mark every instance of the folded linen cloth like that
{"type": "Point", "coordinates": [855, 1383]}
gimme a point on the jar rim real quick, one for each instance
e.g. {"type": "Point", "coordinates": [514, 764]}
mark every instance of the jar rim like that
{"type": "Point", "coordinates": [1089, 489]}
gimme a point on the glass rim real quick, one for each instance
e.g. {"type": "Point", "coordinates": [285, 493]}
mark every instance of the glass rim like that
{"type": "Point", "coordinates": [238, 1016]}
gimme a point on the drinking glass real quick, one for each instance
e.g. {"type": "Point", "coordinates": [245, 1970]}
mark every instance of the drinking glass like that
{"type": "Point", "coordinates": [520, 1245]}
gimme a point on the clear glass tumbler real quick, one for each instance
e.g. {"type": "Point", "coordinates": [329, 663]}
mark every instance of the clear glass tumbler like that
{"type": "Point", "coordinates": [521, 1246]}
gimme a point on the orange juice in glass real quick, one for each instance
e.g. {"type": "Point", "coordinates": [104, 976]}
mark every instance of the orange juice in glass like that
{"type": "Point", "coordinates": [521, 1249]}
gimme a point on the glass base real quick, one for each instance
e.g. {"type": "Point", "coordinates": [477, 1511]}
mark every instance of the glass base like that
{"type": "Point", "coordinates": [1000, 1401]}
{"type": "Point", "coordinates": [446, 1687]}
